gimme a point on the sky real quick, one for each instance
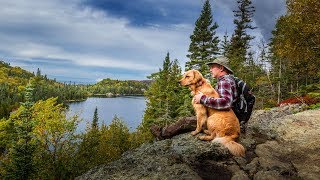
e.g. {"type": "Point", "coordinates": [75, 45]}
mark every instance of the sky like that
{"type": "Point", "coordinates": [85, 41]}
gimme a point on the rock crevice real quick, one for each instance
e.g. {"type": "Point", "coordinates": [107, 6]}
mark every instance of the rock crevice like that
{"type": "Point", "coordinates": [281, 143]}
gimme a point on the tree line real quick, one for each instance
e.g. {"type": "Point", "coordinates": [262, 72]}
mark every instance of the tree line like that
{"type": "Point", "coordinates": [38, 141]}
{"type": "Point", "coordinates": [109, 87]}
{"type": "Point", "coordinates": [13, 80]}
{"type": "Point", "coordinates": [287, 66]}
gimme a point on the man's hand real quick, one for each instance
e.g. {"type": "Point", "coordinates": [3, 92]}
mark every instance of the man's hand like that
{"type": "Point", "coordinates": [197, 97]}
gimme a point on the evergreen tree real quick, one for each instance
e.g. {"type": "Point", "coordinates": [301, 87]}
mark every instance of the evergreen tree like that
{"type": "Point", "coordinates": [156, 94]}
{"type": "Point", "coordinates": [102, 146]}
{"type": "Point", "coordinates": [164, 96]}
{"type": "Point", "coordinates": [204, 42]}
{"type": "Point", "coordinates": [186, 108]}
{"type": "Point", "coordinates": [38, 73]}
{"type": "Point", "coordinates": [239, 43]}
{"type": "Point", "coordinates": [119, 136]}
{"type": "Point", "coordinates": [21, 154]}
{"type": "Point", "coordinates": [95, 119]}
{"type": "Point", "coordinates": [225, 45]}
{"type": "Point", "coordinates": [175, 94]}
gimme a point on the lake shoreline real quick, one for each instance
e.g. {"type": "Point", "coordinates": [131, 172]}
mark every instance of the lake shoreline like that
{"type": "Point", "coordinates": [104, 96]}
{"type": "Point", "coordinates": [130, 109]}
{"type": "Point", "coordinates": [110, 95]}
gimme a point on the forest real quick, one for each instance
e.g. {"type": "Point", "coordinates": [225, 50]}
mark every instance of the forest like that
{"type": "Point", "coordinates": [109, 87]}
{"type": "Point", "coordinates": [13, 81]}
{"type": "Point", "coordinates": [38, 141]}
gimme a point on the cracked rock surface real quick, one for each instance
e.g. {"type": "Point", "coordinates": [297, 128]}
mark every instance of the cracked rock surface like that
{"type": "Point", "coordinates": [281, 143]}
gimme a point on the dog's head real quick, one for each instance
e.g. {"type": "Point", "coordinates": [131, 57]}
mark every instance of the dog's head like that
{"type": "Point", "coordinates": [191, 77]}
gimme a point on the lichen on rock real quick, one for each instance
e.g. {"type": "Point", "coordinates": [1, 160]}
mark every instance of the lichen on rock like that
{"type": "Point", "coordinates": [281, 143]}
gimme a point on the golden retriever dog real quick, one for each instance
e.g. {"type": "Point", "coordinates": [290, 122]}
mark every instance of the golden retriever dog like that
{"type": "Point", "coordinates": [222, 125]}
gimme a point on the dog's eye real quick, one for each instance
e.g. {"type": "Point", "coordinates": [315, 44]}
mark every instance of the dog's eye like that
{"type": "Point", "coordinates": [187, 76]}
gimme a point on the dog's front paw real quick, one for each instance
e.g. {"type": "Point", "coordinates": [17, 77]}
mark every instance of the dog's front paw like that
{"type": "Point", "coordinates": [195, 132]}
{"type": "Point", "coordinates": [205, 138]}
{"type": "Point", "coordinates": [201, 138]}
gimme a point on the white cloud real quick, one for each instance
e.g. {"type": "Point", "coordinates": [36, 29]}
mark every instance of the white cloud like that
{"type": "Point", "coordinates": [57, 30]}
{"type": "Point", "coordinates": [65, 30]}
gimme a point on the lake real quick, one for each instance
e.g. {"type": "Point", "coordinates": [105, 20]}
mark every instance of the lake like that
{"type": "Point", "coordinates": [130, 109]}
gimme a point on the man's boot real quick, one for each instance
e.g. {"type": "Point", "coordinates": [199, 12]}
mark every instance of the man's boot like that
{"type": "Point", "coordinates": [243, 127]}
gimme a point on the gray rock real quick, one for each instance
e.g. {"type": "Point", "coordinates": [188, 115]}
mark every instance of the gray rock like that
{"type": "Point", "coordinates": [182, 157]}
{"type": "Point", "coordinates": [280, 144]}
{"type": "Point", "coordinates": [296, 149]}
{"type": "Point", "coordinates": [268, 175]}
{"type": "Point", "coordinates": [240, 175]}
{"type": "Point", "coordinates": [252, 167]}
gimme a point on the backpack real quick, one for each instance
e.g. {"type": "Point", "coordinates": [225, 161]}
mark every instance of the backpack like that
{"type": "Point", "coordinates": [243, 106]}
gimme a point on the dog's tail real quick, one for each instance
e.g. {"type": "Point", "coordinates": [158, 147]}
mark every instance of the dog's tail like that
{"type": "Point", "coordinates": [235, 148]}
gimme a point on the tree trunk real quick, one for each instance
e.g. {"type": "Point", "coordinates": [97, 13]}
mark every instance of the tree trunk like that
{"type": "Point", "coordinates": [271, 85]}
{"type": "Point", "coordinates": [279, 83]}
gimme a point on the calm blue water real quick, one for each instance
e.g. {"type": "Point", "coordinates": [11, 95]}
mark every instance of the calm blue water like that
{"type": "Point", "coordinates": [130, 109]}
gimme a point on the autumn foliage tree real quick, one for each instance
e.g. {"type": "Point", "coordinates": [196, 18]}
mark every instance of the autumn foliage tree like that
{"type": "Point", "coordinates": [295, 47]}
{"type": "Point", "coordinates": [57, 139]}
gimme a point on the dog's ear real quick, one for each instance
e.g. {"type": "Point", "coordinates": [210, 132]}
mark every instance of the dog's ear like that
{"type": "Point", "coordinates": [197, 76]}
{"type": "Point", "coordinates": [194, 80]}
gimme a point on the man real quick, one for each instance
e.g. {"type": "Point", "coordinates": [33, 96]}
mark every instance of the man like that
{"type": "Point", "coordinates": [226, 87]}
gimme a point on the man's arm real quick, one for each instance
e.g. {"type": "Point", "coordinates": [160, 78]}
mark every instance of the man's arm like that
{"type": "Point", "coordinates": [225, 100]}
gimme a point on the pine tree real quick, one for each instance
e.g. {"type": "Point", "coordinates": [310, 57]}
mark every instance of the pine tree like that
{"type": "Point", "coordinates": [21, 154]}
{"type": "Point", "coordinates": [38, 73]}
{"type": "Point", "coordinates": [156, 93]}
{"type": "Point", "coordinates": [119, 138]}
{"type": "Point", "coordinates": [225, 45]}
{"type": "Point", "coordinates": [164, 96]}
{"type": "Point", "coordinates": [95, 119]}
{"type": "Point", "coordinates": [174, 91]}
{"type": "Point", "coordinates": [239, 43]}
{"type": "Point", "coordinates": [204, 42]}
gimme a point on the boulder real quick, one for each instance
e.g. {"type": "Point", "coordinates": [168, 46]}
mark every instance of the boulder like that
{"type": "Point", "coordinates": [292, 146]}
{"type": "Point", "coordinates": [281, 143]}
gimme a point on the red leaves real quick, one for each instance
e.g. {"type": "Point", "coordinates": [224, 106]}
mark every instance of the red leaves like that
{"type": "Point", "coordinates": [299, 100]}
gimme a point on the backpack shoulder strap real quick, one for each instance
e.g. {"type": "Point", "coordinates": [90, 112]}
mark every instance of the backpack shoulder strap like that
{"type": "Point", "coordinates": [241, 85]}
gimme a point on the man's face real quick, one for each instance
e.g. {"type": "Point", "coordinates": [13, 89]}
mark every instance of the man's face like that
{"type": "Point", "coordinates": [215, 70]}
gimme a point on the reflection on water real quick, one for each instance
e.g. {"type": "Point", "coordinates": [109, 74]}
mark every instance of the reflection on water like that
{"type": "Point", "coordinates": [130, 109]}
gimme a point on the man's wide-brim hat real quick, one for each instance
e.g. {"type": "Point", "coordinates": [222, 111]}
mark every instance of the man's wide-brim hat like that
{"type": "Point", "coordinates": [223, 61]}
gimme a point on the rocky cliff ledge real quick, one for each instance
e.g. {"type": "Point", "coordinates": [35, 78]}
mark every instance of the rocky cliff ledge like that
{"type": "Point", "coordinates": [281, 143]}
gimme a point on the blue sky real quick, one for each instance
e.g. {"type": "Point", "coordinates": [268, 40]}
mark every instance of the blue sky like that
{"type": "Point", "coordinates": [85, 41]}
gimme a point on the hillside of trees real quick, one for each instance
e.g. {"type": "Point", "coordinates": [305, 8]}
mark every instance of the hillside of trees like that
{"type": "Point", "coordinates": [109, 87]}
{"type": "Point", "coordinates": [13, 81]}
{"type": "Point", "coordinates": [38, 141]}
